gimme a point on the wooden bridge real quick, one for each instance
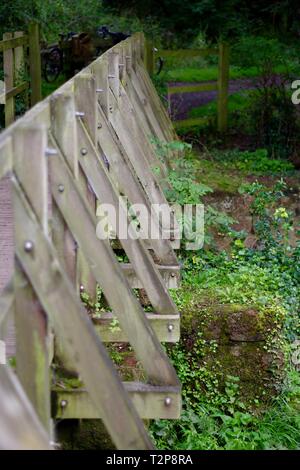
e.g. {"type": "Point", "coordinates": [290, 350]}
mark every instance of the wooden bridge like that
{"type": "Point", "coordinates": [87, 142]}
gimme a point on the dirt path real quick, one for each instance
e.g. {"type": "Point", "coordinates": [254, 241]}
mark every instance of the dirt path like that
{"type": "Point", "coordinates": [181, 104]}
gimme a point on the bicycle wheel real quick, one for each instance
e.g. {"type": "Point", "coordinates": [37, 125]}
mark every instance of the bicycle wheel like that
{"type": "Point", "coordinates": [53, 65]}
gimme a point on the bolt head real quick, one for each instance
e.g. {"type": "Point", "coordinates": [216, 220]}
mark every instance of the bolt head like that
{"type": "Point", "coordinates": [28, 246]}
{"type": "Point", "coordinates": [99, 125]}
{"type": "Point", "coordinates": [83, 151]}
{"type": "Point", "coordinates": [170, 328]}
{"type": "Point", "coordinates": [168, 401]}
{"type": "Point", "coordinates": [63, 403]}
{"type": "Point", "coordinates": [173, 274]}
{"type": "Point", "coordinates": [61, 188]}
{"type": "Point", "coordinates": [81, 288]}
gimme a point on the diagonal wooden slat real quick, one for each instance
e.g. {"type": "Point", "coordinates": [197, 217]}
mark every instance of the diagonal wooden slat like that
{"type": "Point", "coordinates": [108, 273]}
{"type": "Point", "coordinates": [75, 330]}
{"type": "Point", "coordinates": [20, 428]}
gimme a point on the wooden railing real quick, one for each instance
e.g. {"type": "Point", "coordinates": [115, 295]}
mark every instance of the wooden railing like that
{"type": "Point", "coordinates": [15, 63]}
{"type": "Point", "coordinates": [220, 86]}
{"type": "Point", "coordinates": [89, 142]}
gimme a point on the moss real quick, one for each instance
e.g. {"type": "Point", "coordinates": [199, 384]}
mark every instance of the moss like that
{"type": "Point", "coordinates": [221, 340]}
{"type": "Point", "coordinates": [83, 435]}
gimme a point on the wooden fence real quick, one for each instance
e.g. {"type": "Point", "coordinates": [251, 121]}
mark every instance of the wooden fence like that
{"type": "Point", "coordinates": [15, 61]}
{"type": "Point", "coordinates": [221, 85]}
{"type": "Point", "coordinates": [89, 142]}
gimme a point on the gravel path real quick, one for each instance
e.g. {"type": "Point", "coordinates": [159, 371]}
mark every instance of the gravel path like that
{"type": "Point", "coordinates": [181, 104]}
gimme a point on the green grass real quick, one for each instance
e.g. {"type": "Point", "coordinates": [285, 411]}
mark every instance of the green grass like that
{"type": "Point", "coordinates": [193, 74]}
{"type": "Point", "coordinates": [236, 102]}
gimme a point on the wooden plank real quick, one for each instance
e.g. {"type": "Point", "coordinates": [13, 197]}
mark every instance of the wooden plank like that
{"type": "Point", "coordinates": [125, 179]}
{"type": "Point", "coordinates": [75, 330]}
{"type": "Point", "coordinates": [35, 63]}
{"type": "Point", "coordinates": [8, 68]}
{"type": "Point", "coordinates": [166, 328]}
{"type": "Point", "coordinates": [223, 83]}
{"type": "Point", "coordinates": [149, 57]}
{"type": "Point", "coordinates": [20, 72]}
{"type": "Point", "coordinates": [10, 43]}
{"type": "Point", "coordinates": [6, 156]}
{"type": "Point", "coordinates": [150, 402]}
{"type": "Point", "coordinates": [169, 274]}
{"type": "Point", "coordinates": [30, 321]}
{"type": "Point", "coordinates": [173, 90]}
{"type": "Point", "coordinates": [187, 53]}
{"type": "Point", "coordinates": [85, 101]}
{"type": "Point", "coordinates": [143, 264]}
{"type": "Point", "coordinates": [160, 111]}
{"type": "Point", "coordinates": [6, 308]}
{"type": "Point", "coordinates": [20, 428]}
{"type": "Point", "coordinates": [16, 90]}
{"type": "Point", "coordinates": [108, 274]}
{"type": "Point", "coordinates": [133, 84]}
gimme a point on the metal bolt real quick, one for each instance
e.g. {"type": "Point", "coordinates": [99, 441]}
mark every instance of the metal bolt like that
{"type": "Point", "coordinates": [28, 246]}
{"type": "Point", "coordinates": [50, 152]}
{"type": "Point", "coordinates": [63, 403]}
{"type": "Point", "coordinates": [99, 125]}
{"type": "Point", "coordinates": [111, 109]}
{"type": "Point", "coordinates": [61, 188]}
{"type": "Point", "coordinates": [83, 151]}
{"type": "Point", "coordinates": [79, 114]}
{"type": "Point", "coordinates": [99, 90]}
{"type": "Point", "coordinates": [173, 274]}
{"type": "Point", "coordinates": [168, 401]}
{"type": "Point", "coordinates": [81, 288]}
{"type": "Point", "coordinates": [170, 328]}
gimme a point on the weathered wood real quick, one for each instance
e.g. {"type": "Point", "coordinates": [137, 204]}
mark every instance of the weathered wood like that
{"type": "Point", "coordinates": [31, 323]}
{"type": "Point", "coordinates": [72, 324]}
{"type": "Point", "coordinates": [141, 260]}
{"type": "Point", "coordinates": [6, 306]}
{"type": "Point", "coordinates": [109, 274]}
{"type": "Point", "coordinates": [10, 43]}
{"type": "Point", "coordinates": [16, 90]}
{"type": "Point", "coordinates": [8, 68]}
{"type": "Point", "coordinates": [6, 156]}
{"type": "Point", "coordinates": [166, 328]}
{"type": "Point", "coordinates": [149, 402]}
{"type": "Point", "coordinates": [35, 63]}
{"type": "Point", "coordinates": [149, 57]}
{"type": "Point", "coordinates": [223, 81]}
{"type": "Point", "coordinates": [169, 274]}
{"type": "Point", "coordinates": [20, 428]}
{"type": "Point", "coordinates": [125, 179]}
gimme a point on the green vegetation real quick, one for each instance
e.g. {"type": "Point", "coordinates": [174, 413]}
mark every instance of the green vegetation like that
{"type": "Point", "coordinates": [222, 409]}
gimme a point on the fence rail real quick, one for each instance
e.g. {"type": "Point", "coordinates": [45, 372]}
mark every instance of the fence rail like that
{"type": "Point", "coordinates": [15, 62]}
{"type": "Point", "coordinates": [89, 142]}
{"type": "Point", "coordinates": [221, 85]}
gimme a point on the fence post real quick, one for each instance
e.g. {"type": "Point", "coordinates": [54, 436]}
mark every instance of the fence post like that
{"type": "Point", "coordinates": [8, 66]}
{"type": "Point", "coordinates": [149, 56]}
{"type": "Point", "coordinates": [223, 80]}
{"type": "Point", "coordinates": [35, 63]}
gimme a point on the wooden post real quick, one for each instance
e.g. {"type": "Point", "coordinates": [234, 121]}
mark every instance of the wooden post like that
{"type": "Point", "coordinates": [149, 57]}
{"type": "Point", "coordinates": [31, 322]}
{"type": "Point", "coordinates": [35, 63]}
{"type": "Point", "coordinates": [223, 80]}
{"type": "Point", "coordinates": [8, 66]}
{"type": "Point", "coordinates": [19, 66]}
